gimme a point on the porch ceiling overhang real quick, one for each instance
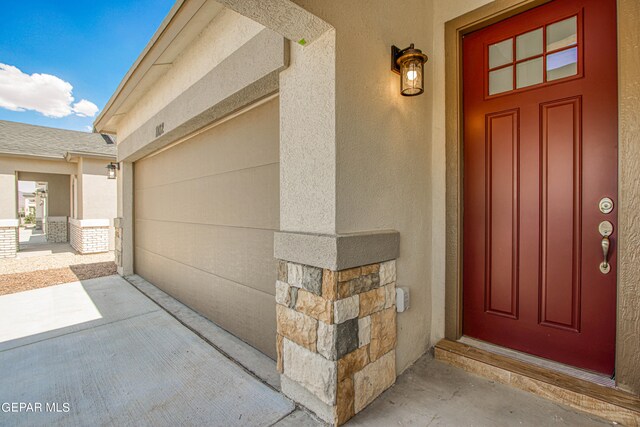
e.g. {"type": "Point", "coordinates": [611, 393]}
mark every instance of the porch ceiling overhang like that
{"type": "Point", "coordinates": [74, 156]}
{"type": "Point", "coordinates": [185, 21]}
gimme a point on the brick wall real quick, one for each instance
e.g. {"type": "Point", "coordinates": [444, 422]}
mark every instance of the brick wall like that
{"type": "Point", "coordinates": [88, 240]}
{"type": "Point", "coordinates": [8, 242]}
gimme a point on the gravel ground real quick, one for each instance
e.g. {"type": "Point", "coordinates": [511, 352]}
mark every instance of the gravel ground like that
{"type": "Point", "coordinates": [18, 282]}
{"type": "Point", "coordinates": [53, 261]}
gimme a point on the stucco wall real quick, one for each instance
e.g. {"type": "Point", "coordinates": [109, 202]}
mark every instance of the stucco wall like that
{"type": "Point", "coordinates": [58, 188]}
{"type": "Point", "coordinates": [97, 198]}
{"type": "Point", "coordinates": [206, 210]}
{"type": "Point", "coordinates": [383, 150]}
{"type": "Point", "coordinates": [224, 34]}
{"type": "Point", "coordinates": [8, 208]}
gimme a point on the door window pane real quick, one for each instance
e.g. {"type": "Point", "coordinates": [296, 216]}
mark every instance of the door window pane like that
{"type": "Point", "coordinates": [529, 44]}
{"type": "Point", "coordinates": [500, 53]}
{"type": "Point", "coordinates": [501, 80]}
{"type": "Point", "coordinates": [529, 73]}
{"type": "Point", "coordinates": [562, 64]}
{"type": "Point", "coordinates": [562, 34]}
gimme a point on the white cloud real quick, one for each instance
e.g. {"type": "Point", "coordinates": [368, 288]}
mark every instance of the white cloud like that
{"type": "Point", "coordinates": [44, 93]}
{"type": "Point", "coordinates": [85, 108]}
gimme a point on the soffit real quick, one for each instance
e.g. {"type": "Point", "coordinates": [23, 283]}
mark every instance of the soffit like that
{"type": "Point", "coordinates": [184, 22]}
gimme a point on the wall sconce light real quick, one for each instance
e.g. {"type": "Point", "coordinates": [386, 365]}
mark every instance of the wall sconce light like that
{"type": "Point", "coordinates": [111, 170]}
{"type": "Point", "coordinates": [409, 63]}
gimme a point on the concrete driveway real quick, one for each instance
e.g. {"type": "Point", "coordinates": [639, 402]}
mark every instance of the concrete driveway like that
{"type": "Point", "coordinates": [99, 352]}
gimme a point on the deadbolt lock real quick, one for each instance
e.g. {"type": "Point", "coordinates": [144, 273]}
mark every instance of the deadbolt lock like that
{"type": "Point", "coordinates": [605, 205]}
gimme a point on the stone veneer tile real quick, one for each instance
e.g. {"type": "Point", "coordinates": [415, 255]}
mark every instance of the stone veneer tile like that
{"type": "Point", "coordinates": [370, 269]}
{"type": "Point", "coordinates": [294, 274]}
{"type": "Point", "coordinates": [372, 301]}
{"type": "Point", "coordinates": [344, 289]}
{"type": "Point", "coordinates": [334, 341]}
{"type": "Point", "coordinates": [353, 362]}
{"type": "Point", "coordinates": [311, 370]}
{"type": "Point", "coordinates": [312, 279]}
{"type": "Point", "coordinates": [387, 272]}
{"type": "Point", "coordinates": [365, 283]}
{"type": "Point", "coordinates": [329, 285]}
{"type": "Point", "coordinates": [346, 308]}
{"type": "Point", "coordinates": [283, 271]}
{"type": "Point", "coordinates": [383, 333]}
{"type": "Point", "coordinates": [297, 327]}
{"type": "Point", "coordinates": [390, 295]}
{"type": "Point", "coordinates": [373, 379]}
{"type": "Point", "coordinates": [326, 345]}
{"type": "Point", "coordinates": [346, 337]}
{"type": "Point", "coordinates": [364, 331]}
{"type": "Point", "coordinates": [293, 292]}
{"type": "Point", "coordinates": [282, 293]}
{"type": "Point", "coordinates": [346, 275]}
{"type": "Point", "coordinates": [279, 344]}
{"type": "Point", "coordinates": [345, 401]}
{"type": "Point", "coordinates": [314, 306]}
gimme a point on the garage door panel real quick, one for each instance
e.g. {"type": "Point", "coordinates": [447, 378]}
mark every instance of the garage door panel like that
{"type": "Point", "coordinates": [242, 255]}
{"type": "Point", "coordinates": [234, 307]}
{"type": "Point", "coordinates": [249, 140]}
{"type": "Point", "coordinates": [205, 214]}
{"type": "Point", "coordinates": [242, 198]}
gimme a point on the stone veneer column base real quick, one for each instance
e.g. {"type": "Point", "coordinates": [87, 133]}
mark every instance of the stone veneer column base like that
{"type": "Point", "coordinates": [57, 229]}
{"type": "Point", "coordinates": [8, 238]}
{"type": "Point", "coordinates": [336, 336]}
{"type": "Point", "coordinates": [89, 236]}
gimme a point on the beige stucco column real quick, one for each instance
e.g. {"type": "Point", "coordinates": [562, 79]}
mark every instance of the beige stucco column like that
{"type": "Point", "coordinates": [354, 195]}
{"type": "Point", "coordinates": [8, 212]}
{"type": "Point", "coordinates": [124, 221]}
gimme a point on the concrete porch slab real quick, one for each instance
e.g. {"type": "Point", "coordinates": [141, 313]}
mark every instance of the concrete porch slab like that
{"type": "Point", "coordinates": [432, 393]}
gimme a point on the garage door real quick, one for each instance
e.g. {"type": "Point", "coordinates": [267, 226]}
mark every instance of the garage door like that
{"type": "Point", "coordinates": [206, 211]}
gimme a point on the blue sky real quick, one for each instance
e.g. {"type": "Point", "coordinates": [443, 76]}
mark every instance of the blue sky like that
{"type": "Point", "coordinates": [88, 44]}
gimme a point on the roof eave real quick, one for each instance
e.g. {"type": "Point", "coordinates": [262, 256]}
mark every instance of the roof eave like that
{"type": "Point", "coordinates": [73, 156]}
{"type": "Point", "coordinates": [173, 24]}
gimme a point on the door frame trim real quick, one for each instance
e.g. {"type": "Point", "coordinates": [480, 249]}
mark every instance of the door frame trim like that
{"type": "Point", "coordinates": [628, 289]}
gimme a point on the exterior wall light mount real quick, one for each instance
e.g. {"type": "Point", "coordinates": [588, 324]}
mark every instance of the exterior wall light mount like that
{"type": "Point", "coordinates": [409, 64]}
{"type": "Point", "coordinates": [111, 170]}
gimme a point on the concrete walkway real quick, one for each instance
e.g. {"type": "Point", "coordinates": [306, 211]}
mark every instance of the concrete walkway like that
{"type": "Point", "coordinates": [99, 352]}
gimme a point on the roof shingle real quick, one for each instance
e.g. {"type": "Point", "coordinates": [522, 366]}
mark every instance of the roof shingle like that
{"type": "Point", "coordinates": [20, 138]}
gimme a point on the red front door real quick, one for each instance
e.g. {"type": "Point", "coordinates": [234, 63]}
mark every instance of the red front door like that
{"type": "Point", "coordinates": [540, 153]}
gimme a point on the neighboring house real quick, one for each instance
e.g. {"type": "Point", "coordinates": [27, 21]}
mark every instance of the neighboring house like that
{"type": "Point", "coordinates": [74, 197]}
{"type": "Point", "coordinates": [247, 130]}
{"type": "Point", "coordinates": [27, 203]}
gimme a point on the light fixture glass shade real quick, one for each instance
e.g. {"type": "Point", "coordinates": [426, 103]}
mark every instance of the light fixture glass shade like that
{"type": "Point", "coordinates": [111, 171]}
{"type": "Point", "coordinates": [412, 82]}
{"type": "Point", "coordinates": [411, 66]}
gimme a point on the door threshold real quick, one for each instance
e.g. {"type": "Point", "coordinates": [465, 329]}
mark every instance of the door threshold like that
{"type": "Point", "coordinates": [557, 385]}
{"type": "Point", "coordinates": [551, 365]}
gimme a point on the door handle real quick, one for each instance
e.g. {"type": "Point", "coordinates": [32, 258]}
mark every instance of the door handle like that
{"type": "Point", "coordinates": [605, 228]}
{"type": "Point", "coordinates": [605, 267]}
